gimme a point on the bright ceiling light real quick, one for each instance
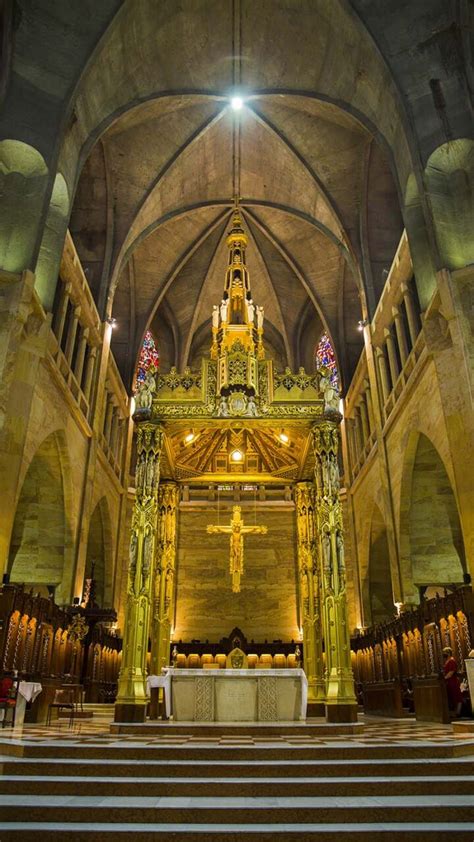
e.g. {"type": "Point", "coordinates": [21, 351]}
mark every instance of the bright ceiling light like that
{"type": "Point", "coordinates": [189, 438]}
{"type": "Point", "coordinates": [284, 438]}
{"type": "Point", "coordinates": [237, 456]}
{"type": "Point", "coordinates": [236, 103]}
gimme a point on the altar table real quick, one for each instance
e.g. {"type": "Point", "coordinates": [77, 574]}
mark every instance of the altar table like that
{"type": "Point", "coordinates": [27, 692]}
{"type": "Point", "coordinates": [232, 695]}
{"type": "Point", "coordinates": [163, 681]}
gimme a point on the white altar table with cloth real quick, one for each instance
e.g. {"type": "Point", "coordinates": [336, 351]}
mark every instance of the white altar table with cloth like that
{"type": "Point", "coordinates": [27, 692]}
{"type": "Point", "coordinates": [163, 681]}
{"type": "Point", "coordinates": [238, 695]}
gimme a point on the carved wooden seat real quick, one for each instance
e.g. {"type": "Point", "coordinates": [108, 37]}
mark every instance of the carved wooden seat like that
{"type": "Point", "coordinates": [64, 699]}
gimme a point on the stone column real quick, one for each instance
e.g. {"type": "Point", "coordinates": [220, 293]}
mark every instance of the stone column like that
{"type": "Point", "coordinates": [383, 373]}
{"type": "Point", "coordinates": [341, 703]}
{"type": "Point", "coordinates": [71, 335]}
{"type": "Point", "coordinates": [401, 336]}
{"type": "Point", "coordinates": [392, 356]}
{"type": "Point", "coordinates": [90, 366]}
{"type": "Point", "coordinates": [81, 353]}
{"type": "Point", "coordinates": [163, 600]}
{"type": "Point", "coordinates": [132, 696]}
{"type": "Point", "coordinates": [370, 408]}
{"type": "Point", "coordinates": [60, 316]}
{"type": "Point", "coordinates": [411, 314]}
{"type": "Point", "coordinates": [364, 417]}
{"type": "Point", "coordinates": [309, 595]}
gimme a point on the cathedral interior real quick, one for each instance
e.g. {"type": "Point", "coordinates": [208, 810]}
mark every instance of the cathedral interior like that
{"type": "Point", "coordinates": [236, 419]}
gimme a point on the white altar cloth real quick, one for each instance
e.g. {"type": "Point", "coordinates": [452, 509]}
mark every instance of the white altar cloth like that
{"type": "Point", "coordinates": [163, 681]}
{"type": "Point", "coordinates": [231, 695]}
{"type": "Point", "coordinates": [27, 692]}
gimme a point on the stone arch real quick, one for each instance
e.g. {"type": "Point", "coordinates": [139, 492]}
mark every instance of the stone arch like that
{"type": "Point", "coordinates": [23, 181]}
{"type": "Point", "coordinates": [40, 548]}
{"type": "Point", "coordinates": [100, 553]}
{"type": "Point", "coordinates": [379, 580]}
{"type": "Point", "coordinates": [449, 179]}
{"type": "Point", "coordinates": [431, 543]}
{"type": "Point", "coordinates": [49, 257]}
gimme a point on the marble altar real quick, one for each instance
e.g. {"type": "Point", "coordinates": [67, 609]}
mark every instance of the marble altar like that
{"type": "Point", "coordinates": [233, 695]}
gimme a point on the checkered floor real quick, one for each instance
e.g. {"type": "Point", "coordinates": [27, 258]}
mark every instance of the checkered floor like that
{"type": "Point", "coordinates": [376, 732]}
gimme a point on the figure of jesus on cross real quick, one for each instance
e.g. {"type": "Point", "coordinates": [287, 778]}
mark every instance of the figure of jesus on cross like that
{"type": "Point", "coordinates": [237, 530]}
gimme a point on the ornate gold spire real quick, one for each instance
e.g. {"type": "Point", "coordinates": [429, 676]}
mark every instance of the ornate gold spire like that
{"type": "Point", "coordinates": [237, 281]}
{"type": "Point", "coordinates": [237, 327]}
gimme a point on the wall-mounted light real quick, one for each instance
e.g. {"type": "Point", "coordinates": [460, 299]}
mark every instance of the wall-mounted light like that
{"type": "Point", "coordinates": [284, 438]}
{"type": "Point", "coordinates": [189, 438]}
{"type": "Point", "coordinates": [361, 324]}
{"type": "Point", "coordinates": [112, 322]}
{"type": "Point", "coordinates": [398, 606]}
{"type": "Point", "coordinates": [237, 456]}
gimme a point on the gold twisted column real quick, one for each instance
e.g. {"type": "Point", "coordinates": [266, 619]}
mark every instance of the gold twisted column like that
{"type": "Point", "coordinates": [132, 696]}
{"type": "Point", "coordinates": [168, 499]}
{"type": "Point", "coordinates": [341, 703]}
{"type": "Point", "coordinates": [310, 598]}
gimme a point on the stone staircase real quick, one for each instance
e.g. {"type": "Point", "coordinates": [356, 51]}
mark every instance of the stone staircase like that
{"type": "Point", "coordinates": [235, 788]}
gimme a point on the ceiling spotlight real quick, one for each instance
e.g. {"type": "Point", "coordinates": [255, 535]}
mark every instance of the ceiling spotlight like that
{"type": "Point", "coordinates": [361, 324]}
{"type": "Point", "coordinates": [189, 438]}
{"type": "Point", "coordinates": [237, 456]}
{"type": "Point", "coordinates": [236, 103]}
{"type": "Point", "coordinates": [112, 322]}
{"type": "Point", "coordinates": [284, 438]}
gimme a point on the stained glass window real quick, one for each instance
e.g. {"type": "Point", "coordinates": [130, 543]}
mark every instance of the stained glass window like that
{"type": "Point", "coordinates": [325, 357]}
{"type": "Point", "coordinates": [149, 356]}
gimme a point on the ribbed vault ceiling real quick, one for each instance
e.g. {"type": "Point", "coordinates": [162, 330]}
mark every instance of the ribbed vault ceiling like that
{"type": "Point", "coordinates": [153, 204]}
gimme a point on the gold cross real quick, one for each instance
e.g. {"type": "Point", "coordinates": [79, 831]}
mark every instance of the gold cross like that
{"type": "Point", "coordinates": [237, 530]}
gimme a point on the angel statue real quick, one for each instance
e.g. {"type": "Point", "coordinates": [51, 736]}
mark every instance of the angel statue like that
{"type": "Point", "coordinates": [330, 392]}
{"type": "Point", "coordinates": [144, 396]}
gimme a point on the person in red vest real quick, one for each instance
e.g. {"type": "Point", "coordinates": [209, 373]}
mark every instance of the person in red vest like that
{"type": "Point", "coordinates": [453, 685]}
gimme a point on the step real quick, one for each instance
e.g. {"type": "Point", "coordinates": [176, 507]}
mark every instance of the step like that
{"type": "Point", "coordinates": [315, 728]}
{"type": "Point", "coordinates": [67, 748]}
{"type": "Point", "coordinates": [38, 808]}
{"type": "Point", "coordinates": [172, 768]}
{"type": "Point", "coordinates": [238, 787]}
{"type": "Point", "coordinates": [376, 832]}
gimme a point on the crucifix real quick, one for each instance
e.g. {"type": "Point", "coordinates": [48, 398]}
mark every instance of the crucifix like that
{"type": "Point", "coordinates": [237, 530]}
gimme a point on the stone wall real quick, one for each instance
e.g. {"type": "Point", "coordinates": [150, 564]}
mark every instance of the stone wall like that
{"type": "Point", "coordinates": [266, 607]}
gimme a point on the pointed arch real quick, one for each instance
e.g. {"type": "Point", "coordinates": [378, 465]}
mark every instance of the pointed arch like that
{"type": "Point", "coordinates": [431, 542]}
{"type": "Point", "coordinates": [100, 553]}
{"type": "Point", "coordinates": [41, 545]}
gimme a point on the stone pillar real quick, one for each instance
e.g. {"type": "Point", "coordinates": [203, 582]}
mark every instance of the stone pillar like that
{"type": "Point", "coordinates": [401, 336]}
{"type": "Point", "coordinates": [364, 417]}
{"type": "Point", "coordinates": [392, 356]}
{"type": "Point", "coordinates": [71, 335]}
{"type": "Point", "coordinates": [132, 696]}
{"type": "Point", "coordinates": [81, 353]}
{"type": "Point", "coordinates": [411, 314]}
{"type": "Point", "coordinates": [60, 316]}
{"type": "Point", "coordinates": [90, 366]}
{"type": "Point", "coordinates": [109, 410]}
{"type": "Point", "coordinates": [383, 373]}
{"type": "Point", "coordinates": [163, 600]}
{"type": "Point", "coordinates": [341, 703]}
{"type": "Point", "coordinates": [369, 405]}
{"type": "Point", "coordinates": [310, 596]}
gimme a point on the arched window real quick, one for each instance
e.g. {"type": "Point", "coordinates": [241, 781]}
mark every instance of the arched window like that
{"type": "Point", "coordinates": [149, 357]}
{"type": "Point", "coordinates": [325, 357]}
